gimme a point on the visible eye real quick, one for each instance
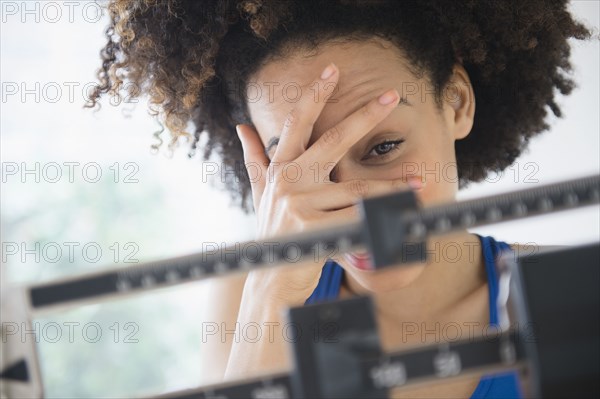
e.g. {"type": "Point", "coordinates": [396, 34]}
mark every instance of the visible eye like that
{"type": "Point", "coordinates": [383, 149]}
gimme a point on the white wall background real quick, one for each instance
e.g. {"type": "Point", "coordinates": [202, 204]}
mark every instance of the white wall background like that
{"type": "Point", "coordinates": [169, 211]}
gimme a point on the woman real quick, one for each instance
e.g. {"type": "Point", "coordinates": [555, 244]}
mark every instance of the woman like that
{"type": "Point", "coordinates": [361, 98]}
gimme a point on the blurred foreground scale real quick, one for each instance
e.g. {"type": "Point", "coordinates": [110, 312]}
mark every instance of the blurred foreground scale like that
{"type": "Point", "coordinates": [552, 341]}
{"type": "Point", "coordinates": [557, 293]}
{"type": "Point", "coordinates": [394, 231]}
{"type": "Point", "coordinates": [552, 337]}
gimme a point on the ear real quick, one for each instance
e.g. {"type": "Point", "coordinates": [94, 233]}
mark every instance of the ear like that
{"type": "Point", "coordinates": [459, 103]}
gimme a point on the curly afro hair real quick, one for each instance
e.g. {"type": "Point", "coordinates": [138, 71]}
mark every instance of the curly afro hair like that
{"type": "Point", "coordinates": [192, 58]}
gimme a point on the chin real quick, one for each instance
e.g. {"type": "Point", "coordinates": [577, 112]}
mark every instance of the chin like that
{"type": "Point", "coordinates": [385, 280]}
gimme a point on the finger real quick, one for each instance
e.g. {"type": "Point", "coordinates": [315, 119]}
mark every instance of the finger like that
{"type": "Point", "coordinates": [336, 141]}
{"type": "Point", "coordinates": [328, 219]}
{"type": "Point", "coordinates": [298, 126]}
{"type": "Point", "coordinates": [255, 159]}
{"type": "Point", "coordinates": [333, 196]}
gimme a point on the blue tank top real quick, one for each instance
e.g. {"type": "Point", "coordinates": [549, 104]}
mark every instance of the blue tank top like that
{"type": "Point", "coordinates": [505, 385]}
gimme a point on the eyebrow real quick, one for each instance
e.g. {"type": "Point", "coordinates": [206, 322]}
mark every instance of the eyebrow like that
{"type": "Point", "coordinates": [273, 141]}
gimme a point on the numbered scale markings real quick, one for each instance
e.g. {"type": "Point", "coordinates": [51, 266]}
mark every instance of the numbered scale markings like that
{"type": "Point", "coordinates": [387, 224]}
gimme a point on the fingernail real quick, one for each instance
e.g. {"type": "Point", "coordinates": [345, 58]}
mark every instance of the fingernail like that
{"type": "Point", "coordinates": [388, 97]}
{"type": "Point", "coordinates": [327, 72]}
{"type": "Point", "coordinates": [237, 129]}
{"type": "Point", "coordinates": [415, 182]}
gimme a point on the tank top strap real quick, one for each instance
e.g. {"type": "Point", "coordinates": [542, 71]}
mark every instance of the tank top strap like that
{"type": "Point", "coordinates": [491, 251]}
{"type": "Point", "coordinates": [328, 287]}
{"type": "Point", "coordinates": [505, 384]}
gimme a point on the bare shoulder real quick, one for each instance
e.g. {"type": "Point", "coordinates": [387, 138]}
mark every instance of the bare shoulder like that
{"type": "Point", "coordinates": [221, 299]}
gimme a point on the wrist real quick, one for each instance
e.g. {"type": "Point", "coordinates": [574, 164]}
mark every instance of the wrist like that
{"type": "Point", "coordinates": [266, 292]}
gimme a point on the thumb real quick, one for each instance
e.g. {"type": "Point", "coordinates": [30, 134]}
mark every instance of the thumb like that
{"type": "Point", "coordinates": [255, 159]}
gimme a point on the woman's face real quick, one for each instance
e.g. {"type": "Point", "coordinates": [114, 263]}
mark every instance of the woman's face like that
{"type": "Point", "coordinates": [422, 136]}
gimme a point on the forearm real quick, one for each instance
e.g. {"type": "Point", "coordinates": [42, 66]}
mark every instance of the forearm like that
{"type": "Point", "coordinates": [263, 310]}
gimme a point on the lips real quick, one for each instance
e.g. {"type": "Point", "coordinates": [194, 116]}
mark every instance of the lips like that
{"type": "Point", "coordinates": [360, 260]}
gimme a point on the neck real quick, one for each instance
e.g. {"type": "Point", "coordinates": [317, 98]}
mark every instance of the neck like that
{"type": "Point", "coordinates": [454, 269]}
